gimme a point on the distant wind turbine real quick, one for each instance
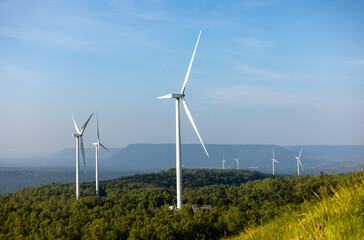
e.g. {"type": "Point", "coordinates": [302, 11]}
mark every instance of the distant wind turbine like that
{"type": "Point", "coordinates": [97, 146]}
{"type": "Point", "coordinates": [223, 162]}
{"type": "Point", "coordinates": [237, 162]}
{"type": "Point", "coordinates": [299, 163]}
{"type": "Point", "coordinates": [181, 96]}
{"type": "Point", "coordinates": [78, 137]}
{"type": "Point", "coordinates": [274, 160]}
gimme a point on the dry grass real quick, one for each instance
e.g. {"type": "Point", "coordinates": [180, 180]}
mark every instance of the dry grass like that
{"type": "Point", "coordinates": [337, 217]}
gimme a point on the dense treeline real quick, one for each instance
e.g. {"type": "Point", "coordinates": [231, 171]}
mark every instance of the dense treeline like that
{"type": "Point", "coordinates": [136, 207]}
{"type": "Point", "coordinates": [192, 178]}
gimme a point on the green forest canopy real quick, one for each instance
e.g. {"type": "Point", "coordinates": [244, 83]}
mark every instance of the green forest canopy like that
{"type": "Point", "coordinates": [137, 207]}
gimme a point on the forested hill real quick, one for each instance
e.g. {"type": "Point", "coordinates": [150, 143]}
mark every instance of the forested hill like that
{"type": "Point", "coordinates": [137, 207]}
{"type": "Point", "coordinates": [192, 178]}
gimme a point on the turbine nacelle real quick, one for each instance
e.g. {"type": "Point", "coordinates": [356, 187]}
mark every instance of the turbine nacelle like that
{"type": "Point", "coordinates": [172, 95]}
{"type": "Point", "coordinates": [76, 135]}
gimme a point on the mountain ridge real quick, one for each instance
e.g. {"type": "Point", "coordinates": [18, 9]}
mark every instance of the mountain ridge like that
{"type": "Point", "coordinates": [156, 157]}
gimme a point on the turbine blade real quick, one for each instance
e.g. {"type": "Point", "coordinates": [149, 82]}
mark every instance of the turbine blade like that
{"type": "Point", "coordinates": [276, 161]}
{"type": "Point", "coordinates": [273, 152]}
{"type": "Point", "coordinates": [189, 67]}
{"type": "Point", "coordinates": [299, 160]}
{"type": "Point", "coordinates": [193, 124]}
{"type": "Point", "coordinates": [104, 147]}
{"type": "Point", "coordinates": [98, 134]}
{"type": "Point", "coordinates": [77, 130]}
{"type": "Point", "coordinates": [300, 153]}
{"type": "Point", "coordinates": [83, 156]}
{"type": "Point", "coordinates": [165, 96]}
{"type": "Point", "coordinates": [85, 125]}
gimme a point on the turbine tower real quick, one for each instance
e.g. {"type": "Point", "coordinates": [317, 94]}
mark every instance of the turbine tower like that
{"type": "Point", "coordinates": [79, 140]}
{"type": "Point", "coordinates": [299, 163]}
{"type": "Point", "coordinates": [223, 162]}
{"type": "Point", "coordinates": [274, 160]}
{"type": "Point", "coordinates": [181, 96]}
{"type": "Point", "coordinates": [237, 162]}
{"type": "Point", "coordinates": [97, 146]}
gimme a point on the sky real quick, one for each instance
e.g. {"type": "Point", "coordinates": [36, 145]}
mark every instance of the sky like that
{"type": "Point", "coordinates": [265, 72]}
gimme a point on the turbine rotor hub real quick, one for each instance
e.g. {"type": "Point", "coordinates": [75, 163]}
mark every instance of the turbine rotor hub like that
{"type": "Point", "coordinates": [177, 95]}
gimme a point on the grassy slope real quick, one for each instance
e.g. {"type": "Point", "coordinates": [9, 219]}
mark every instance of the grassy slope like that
{"type": "Point", "coordinates": [338, 217]}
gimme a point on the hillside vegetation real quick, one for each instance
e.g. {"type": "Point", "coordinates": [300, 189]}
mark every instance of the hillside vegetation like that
{"type": "Point", "coordinates": [136, 207]}
{"type": "Point", "coordinates": [338, 217]}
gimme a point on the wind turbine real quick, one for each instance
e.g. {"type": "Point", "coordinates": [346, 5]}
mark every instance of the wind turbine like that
{"type": "Point", "coordinates": [181, 96]}
{"type": "Point", "coordinates": [78, 137]}
{"type": "Point", "coordinates": [223, 162]}
{"type": "Point", "coordinates": [274, 160]}
{"type": "Point", "coordinates": [237, 162]}
{"type": "Point", "coordinates": [97, 146]}
{"type": "Point", "coordinates": [299, 163]}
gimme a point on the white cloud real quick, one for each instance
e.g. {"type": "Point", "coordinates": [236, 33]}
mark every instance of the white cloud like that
{"type": "Point", "coordinates": [16, 75]}
{"type": "Point", "coordinates": [46, 36]}
{"type": "Point", "coordinates": [247, 46]}
{"type": "Point", "coordinates": [262, 73]}
{"type": "Point", "coordinates": [245, 96]}
{"type": "Point", "coordinates": [258, 3]}
{"type": "Point", "coordinates": [144, 9]}
{"type": "Point", "coordinates": [253, 44]}
{"type": "Point", "coordinates": [359, 62]}
{"type": "Point", "coordinates": [248, 96]}
{"type": "Point", "coordinates": [84, 34]}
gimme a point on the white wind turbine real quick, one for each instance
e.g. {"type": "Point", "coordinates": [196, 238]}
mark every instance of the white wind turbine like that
{"type": "Point", "coordinates": [274, 160]}
{"type": "Point", "coordinates": [223, 162]}
{"type": "Point", "coordinates": [181, 96]}
{"type": "Point", "coordinates": [78, 137]}
{"type": "Point", "coordinates": [237, 162]}
{"type": "Point", "coordinates": [299, 163]}
{"type": "Point", "coordinates": [97, 146]}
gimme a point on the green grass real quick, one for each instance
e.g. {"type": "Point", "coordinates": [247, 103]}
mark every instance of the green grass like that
{"type": "Point", "coordinates": [337, 217]}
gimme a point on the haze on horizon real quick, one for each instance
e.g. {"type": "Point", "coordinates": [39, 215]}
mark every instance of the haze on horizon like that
{"type": "Point", "coordinates": [265, 72]}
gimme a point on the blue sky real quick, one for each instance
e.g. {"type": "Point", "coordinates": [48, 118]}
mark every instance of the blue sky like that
{"type": "Point", "coordinates": [265, 71]}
